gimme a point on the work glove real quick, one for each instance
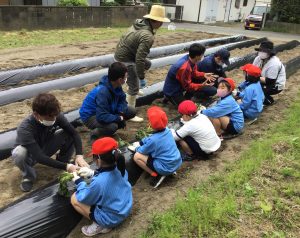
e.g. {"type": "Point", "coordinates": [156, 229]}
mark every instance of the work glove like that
{"type": "Point", "coordinates": [85, 172]}
{"type": "Point", "coordinates": [134, 146]}
{"type": "Point", "coordinates": [75, 176]}
{"type": "Point", "coordinates": [71, 168]}
{"type": "Point", "coordinates": [79, 161]}
{"type": "Point", "coordinates": [202, 108]}
{"type": "Point", "coordinates": [234, 93]}
{"type": "Point", "coordinates": [143, 83]}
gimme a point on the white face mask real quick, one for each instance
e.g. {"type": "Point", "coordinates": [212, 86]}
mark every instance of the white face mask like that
{"type": "Point", "coordinates": [222, 92]}
{"type": "Point", "coordinates": [47, 123]}
{"type": "Point", "coordinates": [263, 55]}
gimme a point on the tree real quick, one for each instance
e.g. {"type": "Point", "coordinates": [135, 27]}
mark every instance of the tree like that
{"type": "Point", "coordinates": [72, 3]}
{"type": "Point", "coordinates": [286, 10]}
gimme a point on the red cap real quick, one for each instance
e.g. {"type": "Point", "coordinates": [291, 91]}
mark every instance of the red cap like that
{"type": "Point", "coordinates": [187, 107]}
{"type": "Point", "coordinates": [103, 145]}
{"type": "Point", "coordinates": [228, 80]}
{"type": "Point", "coordinates": [251, 70]}
{"type": "Point", "coordinates": [157, 117]}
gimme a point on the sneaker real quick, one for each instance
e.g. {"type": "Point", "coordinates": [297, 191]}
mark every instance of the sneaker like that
{"type": "Point", "coordinates": [141, 93]}
{"type": "Point", "coordinates": [250, 121]}
{"type": "Point", "coordinates": [94, 229]}
{"type": "Point", "coordinates": [165, 100]}
{"type": "Point", "coordinates": [137, 119]}
{"type": "Point", "coordinates": [156, 181]}
{"type": "Point", "coordinates": [26, 185]}
{"type": "Point", "coordinates": [133, 147]}
{"type": "Point", "coordinates": [186, 157]}
{"type": "Point", "coordinates": [226, 136]}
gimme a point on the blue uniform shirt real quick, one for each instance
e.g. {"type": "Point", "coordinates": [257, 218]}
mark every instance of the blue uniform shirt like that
{"type": "Point", "coordinates": [252, 97]}
{"type": "Point", "coordinates": [162, 148]}
{"type": "Point", "coordinates": [227, 106]}
{"type": "Point", "coordinates": [110, 193]}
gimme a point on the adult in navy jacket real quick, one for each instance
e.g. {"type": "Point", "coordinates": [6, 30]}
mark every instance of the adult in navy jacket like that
{"type": "Point", "coordinates": [214, 63]}
{"type": "Point", "coordinates": [105, 109]}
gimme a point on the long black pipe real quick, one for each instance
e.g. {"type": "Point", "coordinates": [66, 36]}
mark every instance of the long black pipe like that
{"type": "Point", "coordinates": [28, 91]}
{"type": "Point", "coordinates": [7, 138]}
{"type": "Point", "coordinates": [12, 77]}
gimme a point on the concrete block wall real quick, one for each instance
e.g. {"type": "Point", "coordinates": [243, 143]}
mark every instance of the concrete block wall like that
{"type": "Point", "coordinates": [46, 17]}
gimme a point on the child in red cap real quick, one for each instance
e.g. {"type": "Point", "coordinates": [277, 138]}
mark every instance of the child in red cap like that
{"type": "Point", "coordinates": [226, 116]}
{"type": "Point", "coordinates": [107, 199]}
{"type": "Point", "coordinates": [197, 137]}
{"type": "Point", "coordinates": [158, 154]}
{"type": "Point", "coordinates": [251, 94]}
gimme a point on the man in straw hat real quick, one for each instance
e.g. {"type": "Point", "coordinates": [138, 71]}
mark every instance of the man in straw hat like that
{"type": "Point", "coordinates": [133, 48]}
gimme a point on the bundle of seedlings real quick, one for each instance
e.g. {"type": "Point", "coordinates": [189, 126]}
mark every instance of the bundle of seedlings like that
{"type": "Point", "coordinates": [143, 132]}
{"type": "Point", "coordinates": [66, 185]}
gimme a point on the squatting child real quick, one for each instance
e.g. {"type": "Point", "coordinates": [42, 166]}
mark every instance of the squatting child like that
{"type": "Point", "coordinates": [158, 154]}
{"type": "Point", "coordinates": [226, 116]}
{"type": "Point", "coordinates": [197, 137]}
{"type": "Point", "coordinates": [251, 94]}
{"type": "Point", "coordinates": [107, 199]}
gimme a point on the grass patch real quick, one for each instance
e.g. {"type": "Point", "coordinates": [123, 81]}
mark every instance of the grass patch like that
{"type": "Point", "coordinates": [282, 29]}
{"type": "Point", "coordinates": [258, 196]}
{"type": "Point", "coordinates": [23, 38]}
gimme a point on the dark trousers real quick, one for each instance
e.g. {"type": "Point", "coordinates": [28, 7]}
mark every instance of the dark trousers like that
{"type": "Point", "coordinates": [60, 141]}
{"type": "Point", "coordinates": [268, 91]}
{"type": "Point", "coordinates": [204, 93]}
{"type": "Point", "coordinates": [99, 129]}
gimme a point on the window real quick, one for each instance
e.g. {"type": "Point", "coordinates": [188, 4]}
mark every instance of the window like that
{"type": "Point", "coordinates": [245, 3]}
{"type": "Point", "coordinates": [237, 3]}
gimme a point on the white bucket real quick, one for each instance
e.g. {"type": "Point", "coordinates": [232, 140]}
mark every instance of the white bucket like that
{"type": "Point", "coordinates": [172, 26]}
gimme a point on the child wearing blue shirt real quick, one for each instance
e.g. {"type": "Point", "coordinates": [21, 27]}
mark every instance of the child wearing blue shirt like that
{"type": "Point", "coordinates": [158, 154]}
{"type": "Point", "coordinates": [226, 116]}
{"type": "Point", "coordinates": [251, 94]}
{"type": "Point", "coordinates": [107, 199]}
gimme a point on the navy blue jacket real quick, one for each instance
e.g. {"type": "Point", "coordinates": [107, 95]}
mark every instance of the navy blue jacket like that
{"type": "Point", "coordinates": [105, 102]}
{"type": "Point", "coordinates": [208, 65]}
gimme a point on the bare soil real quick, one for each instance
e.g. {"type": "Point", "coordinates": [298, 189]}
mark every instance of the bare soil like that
{"type": "Point", "coordinates": [146, 200]}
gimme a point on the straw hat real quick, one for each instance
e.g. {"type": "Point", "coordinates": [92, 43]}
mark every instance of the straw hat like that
{"type": "Point", "coordinates": [157, 13]}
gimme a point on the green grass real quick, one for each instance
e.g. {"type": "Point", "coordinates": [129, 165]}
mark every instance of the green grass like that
{"type": "Point", "coordinates": [282, 29]}
{"type": "Point", "coordinates": [23, 38]}
{"type": "Point", "coordinates": [258, 196]}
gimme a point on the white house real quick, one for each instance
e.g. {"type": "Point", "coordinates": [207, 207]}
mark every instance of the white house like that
{"type": "Point", "coordinates": [207, 11]}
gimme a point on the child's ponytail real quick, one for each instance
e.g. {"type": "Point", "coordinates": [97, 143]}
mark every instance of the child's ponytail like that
{"type": "Point", "coordinates": [120, 160]}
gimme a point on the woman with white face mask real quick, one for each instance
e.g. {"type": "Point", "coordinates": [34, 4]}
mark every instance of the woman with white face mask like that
{"type": "Point", "coordinates": [273, 71]}
{"type": "Point", "coordinates": [42, 134]}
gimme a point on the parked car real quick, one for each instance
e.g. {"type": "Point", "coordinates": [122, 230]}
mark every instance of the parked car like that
{"type": "Point", "coordinates": [255, 19]}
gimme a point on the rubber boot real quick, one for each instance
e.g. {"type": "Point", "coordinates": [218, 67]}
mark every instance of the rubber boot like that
{"type": "Point", "coordinates": [131, 102]}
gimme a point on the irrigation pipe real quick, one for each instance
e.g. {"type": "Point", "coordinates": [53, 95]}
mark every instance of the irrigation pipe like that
{"type": "Point", "coordinates": [7, 138]}
{"type": "Point", "coordinates": [29, 91]}
{"type": "Point", "coordinates": [12, 77]}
